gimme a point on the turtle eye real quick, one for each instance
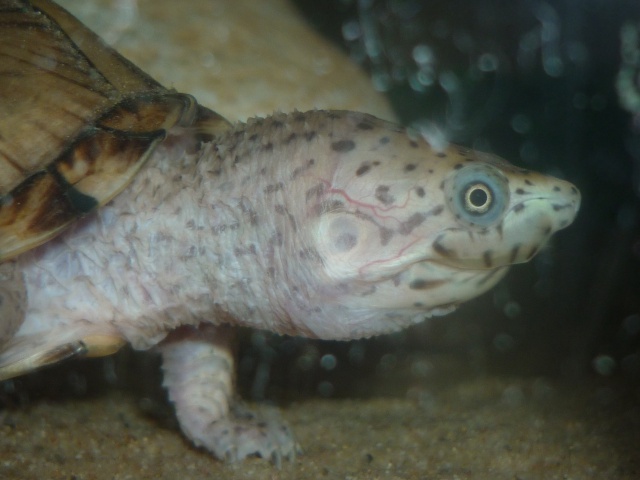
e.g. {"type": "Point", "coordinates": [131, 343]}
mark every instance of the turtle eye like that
{"type": "Point", "coordinates": [477, 198]}
{"type": "Point", "coordinates": [477, 194]}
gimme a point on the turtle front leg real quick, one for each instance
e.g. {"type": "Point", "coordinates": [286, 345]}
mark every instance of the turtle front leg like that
{"type": "Point", "coordinates": [198, 366]}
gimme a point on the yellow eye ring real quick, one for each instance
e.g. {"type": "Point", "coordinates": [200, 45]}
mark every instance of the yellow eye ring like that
{"type": "Point", "coordinates": [478, 198]}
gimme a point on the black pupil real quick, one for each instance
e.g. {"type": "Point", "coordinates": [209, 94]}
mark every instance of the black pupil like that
{"type": "Point", "coordinates": [478, 197]}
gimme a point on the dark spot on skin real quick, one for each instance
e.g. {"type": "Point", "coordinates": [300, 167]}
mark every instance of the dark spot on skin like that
{"type": "Point", "coordinates": [310, 254]}
{"type": "Point", "coordinates": [411, 223]}
{"type": "Point", "coordinates": [290, 138]}
{"type": "Point", "coordinates": [520, 191]}
{"type": "Point", "coordinates": [263, 170]}
{"type": "Point", "coordinates": [310, 136]}
{"type": "Point", "coordinates": [364, 126]}
{"type": "Point", "coordinates": [430, 171]}
{"type": "Point", "coordinates": [556, 188]}
{"type": "Point", "coordinates": [514, 253]}
{"type": "Point", "coordinates": [518, 208]}
{"type": "Point", "coordinates": [297, 171]}
{"type": "Point", "coordinates": [557, 208]}
{"type": "Point", "coordinates": [487, 257]}
{"type": "Point", "coordinates": [328, 207]}
{"type": "Point", "coordinates": [420, 192]}
{"type": "Point", "coordinates": [418, 304]}
{"type": "Point", "coordinates": [248, 211]}
{"type": "Point", "coordinates": [345, 242]}
{"type": "Point", "coordinates": [547, 230]}
{"type": "Point", "coordinates": [236, 160]}
{"type": "Point", "coordinates": [276, 239]}
{"type": "Point", "coordinates": [268, 147]}
{"type": "Point", "coordinates": [442, 251]}
{"type": "Point", "coordinates": [413, 144]}
{"type": "Point", "coordinates": [382, 195]}
{"type": "Point", "coordinates": [384, 140]}
{"type": "Point", "coordinates": [437, 210]}
{"type": "Point", "coordinates": [281, 210]}
{"type": "Point", "coordinates": [343, 146]}
{"type": "Point", "coordinates": [375, 163]}
{"type": "Point", "coordinates": [273, 188]}
{"type": "Point", "coordinates": [409, 167]}
{"type": "Point", "coordinates": [370, 291]}
{"type": "Point", "coordinates": [458, 166]}
{"type": "Point", "coordinates": [316, 192]}
{"type": "Point", "coordinates": [527, 182]}
{"type": "Point", "coordinates": [362, 169]}
{"type": "Point", "coordinates": [442, 185]}
{"type": "Point", "coordinates": [240, 251]}
{"type": "Point", "coordinates": [421, 284]}
{"type": "Point", "coordinates": [441, 155]}
{"type": "Point", "coordinates": [385, 235]}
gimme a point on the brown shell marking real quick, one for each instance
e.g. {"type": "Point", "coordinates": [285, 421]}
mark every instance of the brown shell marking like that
{"type": "Point", "coordinates": [77, 121]}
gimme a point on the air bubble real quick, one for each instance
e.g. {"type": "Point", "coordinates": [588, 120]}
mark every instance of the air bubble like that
{"type": "Point", "coordinates": [503, 342]}
{"type": "Point", "coordinates": [449, 82]}
{"type": "Point", "coordinates": [423, 55]}
{"type": "Point", "coordinates": [604, 365]}
{"type": "Point", "coordinates": [351, 31]}
{"type": "Point", "coordinates": [488, 62]}
{"type": "Point", "coordinates": [328, 361]}
{"type": "Point", "coordinates": [521, 123]}
{"type": "Point", "coordinates": [325, 389]}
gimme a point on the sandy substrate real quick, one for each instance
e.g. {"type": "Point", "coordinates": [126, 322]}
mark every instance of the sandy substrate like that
{"type": "Point", "coordinates": [467, 428]}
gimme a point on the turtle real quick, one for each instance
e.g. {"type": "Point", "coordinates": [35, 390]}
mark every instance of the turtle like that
{"type": "Point", "coordinates": [131, 214]}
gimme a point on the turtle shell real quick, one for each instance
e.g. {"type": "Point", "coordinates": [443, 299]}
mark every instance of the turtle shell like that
{"type": "Point", "coordinates": [77, 121]}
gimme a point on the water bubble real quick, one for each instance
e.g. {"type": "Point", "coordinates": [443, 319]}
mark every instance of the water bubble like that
{"type": "Point", "coordinates": [503, 342]}
{"type": "Point", "coordinates": [631, 324]}
{"type": "Point", "coordinates": [325, 389]}
{"type": "Point", "coordinates": [512, 309]}
{"type": "Point", "coordinates": [580, 101]}
{"type": "Point", "coordinates": [529, 152]}
{"type": "Point", "coordinates": [328, 361]}
{"type": "Point", "coordinates": [449, 81]}
{"type": "Point", "coordinates": [440, 29]}
{"type": "Point", "coordinates": [604, 364]}
{"type": "Point", "coordinates": [577, 52]}
{"type": "Point", "coordinates": [423, 55]}
{"type": "Point", "coordinates": [421, 368]}
{"type": "Point", "coordinates": [553, 65]}
{"type": "Point", "coordinates": [463, 41]}
{"type": "Point", "coordinates": [356, 353]}
{"type": "Point", "coordinates": [488, 62]}
{"type": "Point", "coordinates": [351, 31]}
{"type": "Point", "coordinates": [387, 362]}
{"type": "Point", "coordinates": [513, 396]}
{"type": "Point", "coordinates": [521, 123]}
{"type": "Point", "coordinates": [381, 81]}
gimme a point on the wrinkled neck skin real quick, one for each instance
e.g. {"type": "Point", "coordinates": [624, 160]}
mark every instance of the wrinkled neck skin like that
{"type": "Point", "coordinates": [237, 233]}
